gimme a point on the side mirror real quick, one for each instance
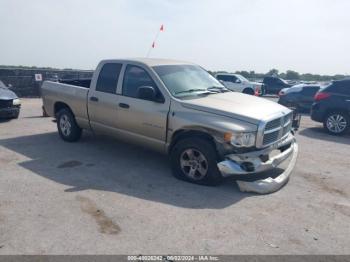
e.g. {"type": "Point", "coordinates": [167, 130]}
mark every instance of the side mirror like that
{"type": "Point", "coordinates": [238, 81]}
{"type": "Point", "coordinates": [146, 93]}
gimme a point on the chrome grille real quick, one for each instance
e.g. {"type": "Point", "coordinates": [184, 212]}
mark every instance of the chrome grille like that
{"type": "Point", "coordinates": [277, 129]}
{"type": "Point", "coordinates": [270, 137]}
{"type": "Point", "coordinates": [273, 124]}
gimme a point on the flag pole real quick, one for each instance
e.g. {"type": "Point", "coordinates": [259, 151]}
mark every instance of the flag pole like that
{"type": "Point", "coordinates": [154, 41]}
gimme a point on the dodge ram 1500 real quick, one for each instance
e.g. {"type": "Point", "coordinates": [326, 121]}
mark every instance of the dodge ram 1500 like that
{"type": "Point", "coordinates": [179, 109]}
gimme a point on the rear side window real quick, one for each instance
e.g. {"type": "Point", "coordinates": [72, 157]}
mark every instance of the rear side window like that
{"type": "Point", "coordinates": [134, 78]}
{"type": "Point", "coordinates": [226, 78]}
{"type": "Point", "coordinates": [341, 87]}
{"type": "Point", "coordinates": [310, 90]}
{"type": "Point", "coordinates": [221, 77]}
{"type": "Point", "coordinates": [108, 79]}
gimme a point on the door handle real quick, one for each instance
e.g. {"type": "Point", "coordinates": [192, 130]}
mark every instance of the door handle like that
{"type": "Point", "coordinates": [94, 99]}
{"type": "Point", "coordinates": [122, 105]}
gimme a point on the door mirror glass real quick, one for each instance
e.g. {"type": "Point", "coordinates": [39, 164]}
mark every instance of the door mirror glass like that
{"type": "Point", "coordinates": [146, 93]}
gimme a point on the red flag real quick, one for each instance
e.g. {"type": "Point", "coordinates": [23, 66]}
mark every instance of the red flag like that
{"type": "Point", "coordinates": [162, 28]}
{"type": "Point", "coordinates": [153, 45]}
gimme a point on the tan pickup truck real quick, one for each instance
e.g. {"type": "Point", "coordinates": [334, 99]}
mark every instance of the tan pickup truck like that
{"type": "Point", "coordinates": [179, 109]}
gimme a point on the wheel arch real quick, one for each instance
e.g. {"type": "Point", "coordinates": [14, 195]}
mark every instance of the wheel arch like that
{"type": "Point", "coordinates": [193, 132]}
{"type": "Point", "coordinates": [58, 106]}
{"type": "Point", "coordinates": [333, 110]}
{"type": "Point", "coordinates": [247, 89]}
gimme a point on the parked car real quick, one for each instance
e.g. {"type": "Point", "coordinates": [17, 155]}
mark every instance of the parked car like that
{"type": "Point", "coordinates": [332, 107]}
{"type": "Point", "coordinates": [239, 83]}
{"type": "Point", "coordinates": [300, 96]}
{"type": "Point", "coordinates": [10, 104]}
{"type": "Point", "coordinates": [273, 85]}
{"type": "Point", "coordinates": [179, 109]}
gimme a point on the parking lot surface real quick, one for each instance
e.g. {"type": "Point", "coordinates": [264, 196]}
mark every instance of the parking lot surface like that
{"type": "Point", "coordinates": [102, 196]}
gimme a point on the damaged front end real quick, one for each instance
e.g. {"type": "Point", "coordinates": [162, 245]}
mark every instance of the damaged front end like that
{"type": "Point", "coordinates": [275, 145]}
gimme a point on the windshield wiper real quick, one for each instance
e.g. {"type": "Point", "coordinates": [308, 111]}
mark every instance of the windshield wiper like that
{"type": "Point", "coordinates": [191, 91]}
{"type": "Point", "coordinates": [218, 89]}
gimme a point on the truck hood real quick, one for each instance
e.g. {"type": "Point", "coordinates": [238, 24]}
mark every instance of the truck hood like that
{"type": "Point", "coordinates": [240, 106]}
{"type": "Point", "coordinates": [6, 94]}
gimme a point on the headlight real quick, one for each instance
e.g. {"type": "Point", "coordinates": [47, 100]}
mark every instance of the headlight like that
{"type": "Point", "coordinates": [241, 139]}
{"type": "Point", "coordinates": [16, 102]}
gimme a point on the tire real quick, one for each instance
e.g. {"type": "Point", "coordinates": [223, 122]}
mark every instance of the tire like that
{"type": "Point", "coordinates": [67, 126]}
{"type": "Point", "coordinates": [336, 123]}
{"type": "Point", "coordinates": [16, 116]}
{"type": "Point", "coordinates": [197, 154]}
{"type": "Point", "coordinates": [248, 91]}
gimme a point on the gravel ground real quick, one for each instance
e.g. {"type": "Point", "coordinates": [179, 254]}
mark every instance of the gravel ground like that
{"type": "Point", "coordinates": [101, 196]}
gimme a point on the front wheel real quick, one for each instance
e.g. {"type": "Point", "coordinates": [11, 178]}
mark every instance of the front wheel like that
{"type": "Point", "coordinates": [67, 127]}
{"type": "Point", "coordinates": [336, 123]}
{"type": "Point", "coordinates": [248, 91]}
{"type": "Point", "coordinates": [195, 160]}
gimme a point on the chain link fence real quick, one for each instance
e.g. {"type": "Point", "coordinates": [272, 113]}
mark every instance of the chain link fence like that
{"type": "Point", "coordinates": [24, 84]}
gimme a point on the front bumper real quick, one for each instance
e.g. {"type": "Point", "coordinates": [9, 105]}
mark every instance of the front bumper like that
{"type": "Point", "coordinates": [252, 163]}
{"type": "Point", "coordinates": [9, 112]}
{"type": "Point", "coordinates": [236, 165]}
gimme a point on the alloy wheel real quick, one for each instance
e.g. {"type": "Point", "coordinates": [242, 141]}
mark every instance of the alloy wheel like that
{"type": "Point", "coordinates": [194, 164]}
{"type": "Point", "coordinates": [336, 123]}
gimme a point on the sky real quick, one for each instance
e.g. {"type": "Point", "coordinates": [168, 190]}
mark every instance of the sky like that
{"type": "Point", "coordinates": [308, 36]}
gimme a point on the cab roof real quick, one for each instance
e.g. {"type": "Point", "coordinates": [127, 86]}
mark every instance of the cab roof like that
{"type": "Point", "coordinates": [150, 61]}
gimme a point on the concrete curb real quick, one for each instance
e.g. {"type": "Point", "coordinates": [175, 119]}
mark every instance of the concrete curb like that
{"type": "Point", "coordinates": [270, 185]}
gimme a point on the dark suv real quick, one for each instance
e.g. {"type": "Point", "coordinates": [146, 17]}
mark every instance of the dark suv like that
{"type": "Point", "coordinates": [273, 85]}
{"type": "Point", "coordinates": [332, 107]}
{"type": "Point", "coordinates": [300, 97]}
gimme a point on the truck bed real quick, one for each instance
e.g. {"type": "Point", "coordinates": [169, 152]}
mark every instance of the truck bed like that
{"type": "Point", "coordinates": [77, 82]}
{"type": "Point", "coordinates": [74, 96]}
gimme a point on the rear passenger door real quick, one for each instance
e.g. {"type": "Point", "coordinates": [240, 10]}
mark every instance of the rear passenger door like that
{"type": "Point", "coordinates": [140, 120]}
{"type": "Point", "coordinates": [103, 100]}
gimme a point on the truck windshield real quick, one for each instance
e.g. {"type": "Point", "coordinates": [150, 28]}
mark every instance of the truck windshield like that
{"type": "Point", "coordinates": [185, 80]}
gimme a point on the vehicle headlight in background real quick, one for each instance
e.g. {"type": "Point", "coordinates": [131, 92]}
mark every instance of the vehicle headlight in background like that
{"type": "Point", "coordinates": [16, 102]}
{"type": "Point", "coordinates": [241, 139]}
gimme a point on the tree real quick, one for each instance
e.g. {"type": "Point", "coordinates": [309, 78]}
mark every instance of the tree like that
{"type": "Point", "coordinates": [273, 72]}
{"type": "Point", "coordinates": [292, 75]}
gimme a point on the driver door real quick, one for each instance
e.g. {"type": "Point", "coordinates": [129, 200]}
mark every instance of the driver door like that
{"type": "Point", "coordinates": [141, 120]}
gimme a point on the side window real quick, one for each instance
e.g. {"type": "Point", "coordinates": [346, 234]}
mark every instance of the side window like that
{"type": "Point", "coordinates": [233, 79]}
{"type": "Point", "coordinates": [342, 87]}
{"type": "Point", "coordinates": [310, 90]}
{"type": "Point", "coordinates": [108, 79]}
{"type": "Point", "coordinates": [225, 78]}
{"type": "Point", "coordinates": [221, 77]}
{"type": "Point", "coordinates": [135, 77]}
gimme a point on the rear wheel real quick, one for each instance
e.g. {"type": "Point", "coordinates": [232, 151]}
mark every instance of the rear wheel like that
{"type": "Point", "coordinates": [195, 160]}
{"type": "Point", "coordinates": [336, 123]}
{"type": "Point", "coordinates": [67, 127]}
{"type": "Point", "coordinates": [248, 91]}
